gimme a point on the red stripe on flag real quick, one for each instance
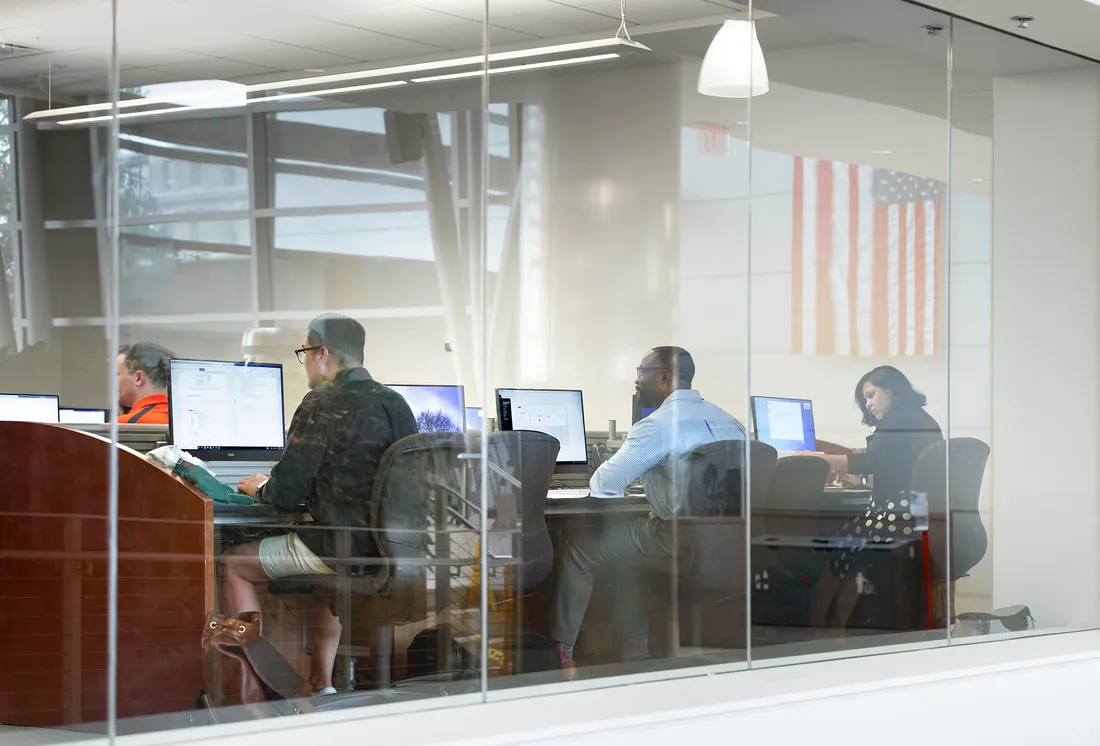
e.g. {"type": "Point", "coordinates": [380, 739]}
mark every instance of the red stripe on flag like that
{"type": "Point", "coordinates": [903, 273]}
{"type": "Point", "coordinates": [919, 273]}
{"type": "Point", "coordinates": [796, 259]}
{"type": "Point", "coordinates": [880, 312]}
{"type": "Point", "coordinates": [937, 263]}
{"type": "Point", "coordinates": [826, 321]}
{"type": "Point", "coordinates": [853, 259]}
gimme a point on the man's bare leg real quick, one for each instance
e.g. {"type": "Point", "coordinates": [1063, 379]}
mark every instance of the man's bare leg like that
{"type": "Point", "coordinates": [241, 573]}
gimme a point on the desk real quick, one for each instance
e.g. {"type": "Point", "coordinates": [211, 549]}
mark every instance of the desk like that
{"type": "Point", "coordinates": [259, 515]}
{"type": "Point", "coordinates": [589, 506]}
{"type": "Point", "coordinates": [55, 522]}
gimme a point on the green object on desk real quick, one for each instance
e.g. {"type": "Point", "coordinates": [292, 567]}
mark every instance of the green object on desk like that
{"type": "Point", "coordinates": [209, 485]}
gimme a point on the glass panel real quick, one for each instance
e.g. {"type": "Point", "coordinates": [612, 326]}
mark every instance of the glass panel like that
{"type": "Point", "coordinates": [293, 228]}
{"type": "Point", "coordinates": [849, 312]}
{"type": "Point", "coordinates": [8, 212]}
{"type": "Point", "coordinates": [55, 519]}
{"type": "Point", "coordinates": [608, 255]}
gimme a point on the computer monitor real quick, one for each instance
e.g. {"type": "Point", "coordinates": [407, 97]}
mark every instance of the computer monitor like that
{"type": "Point", "coordinates": [784, 424]}
{"type": "Point", "coordinates": [83, 416]}
{"type": "Point", "coordinates": [438, 409]}
{"type": "Point", "coordinates": [29, 408]}
{"type": "Point", "coordinates": [475, 418]}
{"type": "Point", "coordinates": [638, 412]}
{"type": "Point", "coordinates": [557, 413]}
{"type": "Point", "coordinates": [225, 410]}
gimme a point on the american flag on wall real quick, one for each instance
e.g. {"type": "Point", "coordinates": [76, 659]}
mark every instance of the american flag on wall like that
{"type": "Point", "coordinates": [866, 260]}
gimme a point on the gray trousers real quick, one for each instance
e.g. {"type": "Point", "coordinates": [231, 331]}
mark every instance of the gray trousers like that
{"type": "Point", "coordinates": [637, 546]}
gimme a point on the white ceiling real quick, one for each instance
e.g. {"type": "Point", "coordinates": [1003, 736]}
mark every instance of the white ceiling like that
{"type": "Point", "coordinates": [1073, 25]}
{"type": "Point", "coordinates": [250, 40]}
{"type": "Point", "coordinates": [169, 40]}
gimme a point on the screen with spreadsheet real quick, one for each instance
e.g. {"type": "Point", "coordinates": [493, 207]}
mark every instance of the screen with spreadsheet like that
{"type": "Point", "coordinates": [29, 407]}
{"type": "Point", "coordinates": [225, 406]}
{"type": "Point", "coordinates": [437, 409]}
{"type": "Point", "coordinates": [557, 413]}
{"type": "Point", "coordinates": [784, 424]}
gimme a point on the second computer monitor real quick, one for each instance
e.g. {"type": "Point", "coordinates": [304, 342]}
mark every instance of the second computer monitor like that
{"type": "Point", "coordinates": [226, 410]}
{"type": "Point", "coordinates": [557, 413]}
{"type": "Point", "coordinates": [784, 424]}
{"type": "Point", "coordinates": [438, 409]}
{"type": "Point", "coordinates": [29, 407]}
{"type": "Point", "coordinates": [83, 416]}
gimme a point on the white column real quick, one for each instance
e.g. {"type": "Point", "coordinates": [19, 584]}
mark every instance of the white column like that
{"type": "Point", "coordinates": [1046, 345]}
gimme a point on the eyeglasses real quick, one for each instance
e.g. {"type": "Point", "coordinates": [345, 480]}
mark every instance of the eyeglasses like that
{"type": "Point", "coordinates": [302, 353]}
{"type": "Point", "coordinates": [643, 368]}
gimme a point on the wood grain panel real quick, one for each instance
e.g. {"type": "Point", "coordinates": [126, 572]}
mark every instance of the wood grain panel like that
{"type": "Point", "coordinates": [53, 571]}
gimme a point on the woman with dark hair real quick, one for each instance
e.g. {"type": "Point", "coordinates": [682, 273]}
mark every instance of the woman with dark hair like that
{"type": "Point", "coordinates": [902, 431]}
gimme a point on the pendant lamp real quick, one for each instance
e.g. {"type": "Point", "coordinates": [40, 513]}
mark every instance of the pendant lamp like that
{"type": "Point", "coordinates": [734, 65]}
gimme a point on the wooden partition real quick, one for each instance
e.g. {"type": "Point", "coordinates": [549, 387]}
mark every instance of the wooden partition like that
{"type": "Point", "coordinates": [53, 580]}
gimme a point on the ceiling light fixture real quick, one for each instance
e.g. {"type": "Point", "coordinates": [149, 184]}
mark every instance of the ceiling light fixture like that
{"type": "Point", "coordinates": [734, 65]}
{"type": "Point", "coordinates": [517, 68]}
{"type": "Point", "coordinates": [614, 43]}
{"type": "Point", "coordinates": [620, 42]}
{"type": "Point", "coordinates": [976, 179]}
{"type": "Point", "coordinates": [882, 152]}
{"type": "Point", "coordinates": [519, 54]}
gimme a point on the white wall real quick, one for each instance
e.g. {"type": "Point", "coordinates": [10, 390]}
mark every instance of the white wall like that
{"type": "Point", "coordinates": [1046, 356]}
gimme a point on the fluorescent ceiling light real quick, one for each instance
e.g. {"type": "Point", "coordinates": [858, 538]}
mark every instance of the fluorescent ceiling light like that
{"type": "Point", "coordinates": [519, 54]}
{"type": "Point", "coordinates": [282, 97]}
{"type": "Point", "coordinates": [328, 91]}
{"type": "Point", "coordinates": [222, 94]}
{"type": "Point", "coordinates": [734, 64]}
{"type": "Point", "coordinates": [517, 68]}
{"type": "Point", "coordinates": [134, 114]}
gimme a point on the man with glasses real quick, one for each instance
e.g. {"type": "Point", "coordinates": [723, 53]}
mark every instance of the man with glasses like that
{"type": "Point", "coordinates": [334, 446]}
{"type": "Point", "coordinates": [682, 422]}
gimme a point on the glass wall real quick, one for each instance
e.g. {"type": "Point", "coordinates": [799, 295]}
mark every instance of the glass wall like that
{"type": "Point", "coordinates": [430, 382]}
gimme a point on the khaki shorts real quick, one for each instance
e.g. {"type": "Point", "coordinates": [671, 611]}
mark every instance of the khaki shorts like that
{"type": "Point", "coordinates": [285, 556]}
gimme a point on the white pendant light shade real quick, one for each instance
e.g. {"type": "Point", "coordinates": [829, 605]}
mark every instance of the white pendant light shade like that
{"type": "Point", "coordinates": [734, 66]}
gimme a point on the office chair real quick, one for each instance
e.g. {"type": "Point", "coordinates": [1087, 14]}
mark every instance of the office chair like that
{"type": "Point", "coordinates": [968, 458]}
{"type": "Point", "coordinates": [793, 497]}
{"type": "Point", "coordinates": [421, 481]}
{"type": "Point", "coordinates": [711, 583]}
{"type": "Point", "coordinates": [521, 467]}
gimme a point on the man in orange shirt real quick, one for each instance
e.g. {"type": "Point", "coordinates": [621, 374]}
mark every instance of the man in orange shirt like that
{"type": "Point", "coordinates": [143, 383]}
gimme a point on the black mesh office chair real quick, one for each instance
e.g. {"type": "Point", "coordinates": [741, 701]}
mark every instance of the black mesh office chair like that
{"type": "Point", "coordinates": [420, 479]}
{"type": "Point", "coordinates": [968, 458]}
{"type": "Point", "coordinates": [521, 466]}
{"type": "Point", "coordinates": [712, 535]}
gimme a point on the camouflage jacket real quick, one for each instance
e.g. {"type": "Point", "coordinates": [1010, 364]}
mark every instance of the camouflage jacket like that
{"type": "Point", "coordinates": [336, 440]}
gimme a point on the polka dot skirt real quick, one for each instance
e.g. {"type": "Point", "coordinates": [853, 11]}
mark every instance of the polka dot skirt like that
{"type": "Point", "coordinates": [878, 525]}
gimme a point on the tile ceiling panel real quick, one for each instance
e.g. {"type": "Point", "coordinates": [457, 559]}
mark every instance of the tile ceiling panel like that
{"type": "Point", "coordinates": [468, 36]}
{"type": "Point", "coordinates": [293, 58]}
{"type": "Point", "coordinates": [372, 47]}
{"type": "Point", "coordinates": [562, 22]}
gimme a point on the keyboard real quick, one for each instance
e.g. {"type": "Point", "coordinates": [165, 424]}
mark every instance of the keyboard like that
{"type": "Point", "coordinates": [232, 472]}
{"type": "Point", "coordinates": [566, 494]}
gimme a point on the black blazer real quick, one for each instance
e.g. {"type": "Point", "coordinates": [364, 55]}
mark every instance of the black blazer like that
{"type": "Point", "coordinates": [893, 450]}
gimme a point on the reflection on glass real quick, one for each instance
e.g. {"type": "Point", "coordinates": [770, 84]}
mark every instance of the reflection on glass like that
{"type": "Point", "coordinates": [196, 166]}
{"type": "Point", "coordinates": [170, 266]}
